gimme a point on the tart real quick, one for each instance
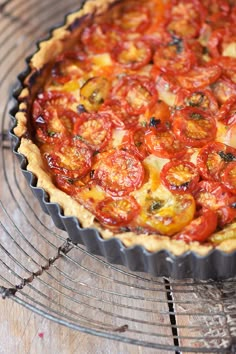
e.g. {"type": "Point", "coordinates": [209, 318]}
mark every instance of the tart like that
{"type": "Point", "coordinates": [127, 119]}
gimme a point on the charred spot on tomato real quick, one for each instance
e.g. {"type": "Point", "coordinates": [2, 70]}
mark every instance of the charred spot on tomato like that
{"type": "Point", "coordinates": [154, 122]}
{"type": "Point", "coordinates": [196, 116]}
{"type": "Point", "coordinates": [195, 100]}
{"type": "Point", "coordinates": [227, 157]}
{"type": "Point", "coordinates": [81, 108]}
{"type": "Point", "coordinates": [156, 205]}
{"type": "Point", "coordinates": [177, 42]}
{"type": "Point", "coordinates": [91, 174]}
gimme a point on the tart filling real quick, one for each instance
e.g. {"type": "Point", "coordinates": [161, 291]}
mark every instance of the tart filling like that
{"type": "Point", "coordinates": [127, 119]}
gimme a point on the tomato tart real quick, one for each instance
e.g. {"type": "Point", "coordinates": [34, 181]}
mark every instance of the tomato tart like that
{"type": "Point", "coordinates": [127, 118]}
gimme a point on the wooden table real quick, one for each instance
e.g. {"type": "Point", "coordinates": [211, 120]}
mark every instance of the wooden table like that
{"type": "Point", "coordinates": [75, 287]}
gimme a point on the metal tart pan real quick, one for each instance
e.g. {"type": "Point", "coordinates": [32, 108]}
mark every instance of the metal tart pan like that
{"type": "Point", "coordinates": [216, 265]}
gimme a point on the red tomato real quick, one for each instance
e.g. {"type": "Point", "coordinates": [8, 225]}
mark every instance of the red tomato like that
{"type": "Point", "coordinates": [52, 98]}
{"type": "Point", "coordinates": [202, 98]}
{"type": "Point", "coordinates": [118, 211]}
{"type": "Point", "coordinates": [70, 159]}
{"type": "Point", "coordinates": [132, 55]}
{"type": "Point", "coordinates": [163, 143]}
{"type": "Point", "coordinates": [199, 77]}
{"type": "Point", "coordinates": [139, 92]}
{"type": "Point", "coordinates": [94, 129]}
{"type": "Point", "coordinates": [180, 176]}
{"type": "Point", "coordinates": [118, 173]}
{"type": "Point", "coordinates": [223, 89]}
{"type": "Point", "coordinates": [174, 58]}
{"type": "Point", "coordinates": [133, 141]}
{"type": "Point", "coordinates": [213, 158]}
{"type": "Point", "coordinates": [215, 43]}
{"type": "Point", "coordinates": [199, 229]}
{"type": "Point", "coordinates": [229, 177]}
{"type": "Point", "coordinates": [66, 184]}
{"type": "Point", "coordinates": [118, 111]}
{"type": "Point", "coordinates": [194, 127]}
{"type": "Point", "coordinates": [228, 66]}
{"type": "Point", "coordinates": [227, 111]}
{"type": "Point", "coordinates": [215, 196]}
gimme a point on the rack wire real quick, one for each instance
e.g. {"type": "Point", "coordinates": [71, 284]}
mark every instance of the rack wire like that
{"type": "Point", "coordinates": [43, 271]}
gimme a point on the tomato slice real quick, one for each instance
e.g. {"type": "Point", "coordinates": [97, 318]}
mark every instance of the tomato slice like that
{"type": "Point", "coordinates": [70, 159]}
{"type": "Point", "coordinates": [215, 196]}
{"type": "Point", "coordinates": [117, 211]}
{"type": "Point", "coordinates": [199, 229]}
{"type": "Point", "coordinates": [213, 159]}
{"type": "Point", "coordinates": [139, 93]}
{"type": "Point", "coordinates": [223, 89]}
{"type": "Point", "coordinates": [180, 176]}
{"type": "Point", "coordinates": [134, 142]}
{"type": "Point", "coordinates": [174, 58]}
{"type": "Point", "coordinates": [228, 66]}
{"type": "Point", "coordinates": [118, 172]}
{"type": "Point", "coordinates": [94, 92]}
{"type": "Point", "coordinates": [118, 111]}
{"type": "Point", "coordinates": [132, 55]}
{"type": "Point", "coordinates": [163, 143]}
{"type": "Point", "coordinates": [229, 177]}
{"type": "Point", "coordinates": [94, 129]}
{"type": "Point", "coordinates": [194, 127]}
{"type": "Point", "coordinates": [199, 77]}
{"type": "Point", "coordinates": [227, 111]}
{"type": "Point", "coordinates": [167, 216]}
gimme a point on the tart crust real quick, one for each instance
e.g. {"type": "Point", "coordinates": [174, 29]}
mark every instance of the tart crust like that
{"type": "Point", "coordinates": [48, 50]}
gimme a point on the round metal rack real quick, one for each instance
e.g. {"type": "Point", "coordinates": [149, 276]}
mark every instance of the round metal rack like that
{"type": "Point", "coordinates": [43, 271]}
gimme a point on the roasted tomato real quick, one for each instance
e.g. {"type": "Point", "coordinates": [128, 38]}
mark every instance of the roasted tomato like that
{"type": "Point", "coordinates": [133, 141]}
{"type": "Point", "coordinates": [213, 159]}
{"type": "Point", "coordinates": [50, 98]}
{"type": "Point", "coordinates": [199, 77]}
{"type": "Point", "coordinates": [194, 127]}
{"type": "Point", "coordinates": [163, 143]}
{"type": "Point", "coordinates": [118, 111]}
{"type": "Point", "coordinates": [117, 211]}
{"type": "Point", "coordinates": [202, 98]}
{"type": "Point", "coordinates": [132, 55]}
{"type": "Point", "coordinates": [220, 41]}
{"type": "Point", "coordinates": [118, 172]}
{"type": "Point", "coordinates": [228, 66]}
{"type": "Point", "coordinates": [139, 92]}
{"type": "Point", "coordinates": [72, 159]}
{"type": "Point", "coordinates": [200, 228]}
{"type": "Point", "coordinates": [223, 89]}
{"type": "Point", "coordinates": [215, 196]}
{"type": "Point", "coordinates": [94, 92]}
{"type": "Point", "coordinates": [227, 111]}
{"type": "Point", "coordinates": [174, 58]}
{"type": "Point", "coordinates": [167, 216]}
{"type": "Point", "coordinates": [228, 176]}
{"type": "Point", "coordinates": [180, 176]}
{"type": "Point", "coordinates": [93, 129]}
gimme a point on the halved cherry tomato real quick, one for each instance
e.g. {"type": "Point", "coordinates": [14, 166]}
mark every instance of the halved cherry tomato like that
{"type": "Point", "coordinates": [227, 111]}
{"type": "Point", "coordinates": [161, 112]}
{"type": "Point", "coordinates": [131, 16]}
{"type": "Point", "coordinates": [133, 141]}
{"type": "Point", "coordinates": [199, 77]}
{"type": "Point", "coordinates": [66, 184]}
{"type": "Point", "coordinates": [94, 92]}
{"type": "Point", "coordinates": [118, 173]}
{"type": "Point", "coordinates": [213, 159]}
{"type": "Point", "coordinates": [118, 111]}
{"type": "Point", "coordinates": [94, 129]}
{"type": "Point", "coordinates": [199, 229]}
{"type": "Point", "coordinates": [72, 159]}
{"type": "Point", "coordinates": [223, 89]}
{"type": "Point", "coordinates": [174, 58]}
{"type": "Point", "coordinates": [132, 55]}
{"type": "Point", "coordinates": [180, 176]}
{"type": "Point", "coordinates": [137, 91]}
{"type": "Point", "coordinates": [163, 143]}
{"type": "Point", "coordinates": [202, 98]}
{"type": "Point", "coordinates": [50, 98]}
{"type": "Point", "coordinates": [117, 211]}
{"type": "Point", "coordinates": [215, 196]}
{"type": "Point", "coordinates": [194, 127]}
{"type": "Point", "coordinates": [229, 176]}
{"type": "Point", "coordinates": [167, 216]}
{"type": "Point", "coordinates": [228, 66]}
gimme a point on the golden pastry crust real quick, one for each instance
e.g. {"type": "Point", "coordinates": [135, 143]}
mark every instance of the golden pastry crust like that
{"type": "Point", "coordinates": [62, 38]}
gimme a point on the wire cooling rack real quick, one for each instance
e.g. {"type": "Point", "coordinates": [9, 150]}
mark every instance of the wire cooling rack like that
{"type": "Point", "coordinates": [43, 271]}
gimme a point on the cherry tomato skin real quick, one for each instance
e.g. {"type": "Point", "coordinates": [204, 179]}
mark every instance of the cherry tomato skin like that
{"type": "Point", "coordinates": [119, 173]}
{"type": "Point", "coordinates": [194, 127]}
{"type": "Point", "coordinates": [213, 158]}
{"type": "Point", "coordinates": [229, 177]}
{"type": "Point", "coordinates": [199, 77]}
{"type": "Point", "coordinates": [180, 176]}
{"type": "Point", "coordinates": [227, 111]}
{"type": "Point", "coordinates": [133, 141]}
{"type": "Point", "coordinates": [199, 229]}
{"type": "Point", "coordinates": [117, 211]}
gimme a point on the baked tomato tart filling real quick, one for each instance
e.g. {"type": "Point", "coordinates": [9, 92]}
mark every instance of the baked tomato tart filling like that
{"type": "Point", "coordinates": [128, 119]}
